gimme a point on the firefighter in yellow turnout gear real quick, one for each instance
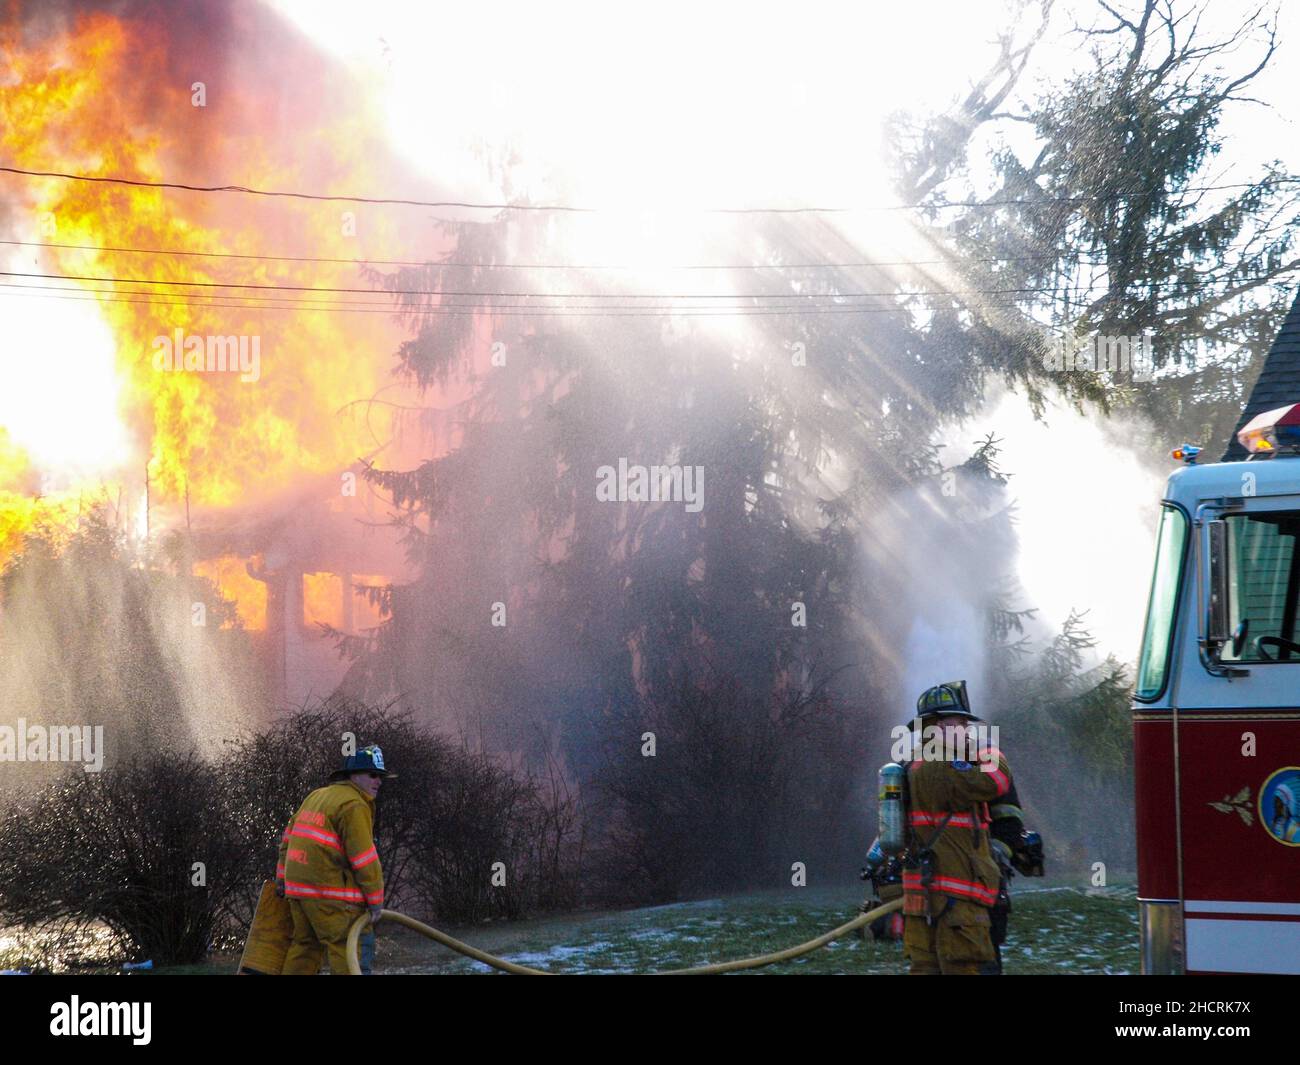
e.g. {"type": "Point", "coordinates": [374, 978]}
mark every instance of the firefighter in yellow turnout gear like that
{"type": "Point", "coordinates": [950, 882]}
{"type": "Point", "coordinates": [328, 867]}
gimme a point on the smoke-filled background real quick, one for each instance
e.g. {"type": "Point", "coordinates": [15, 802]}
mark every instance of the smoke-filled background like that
{"type": "Point", "coordinates": [823, 263]}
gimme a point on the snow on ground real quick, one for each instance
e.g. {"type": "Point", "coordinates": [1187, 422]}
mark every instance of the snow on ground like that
{"type": "Point", "coordinates": [1055, 928]}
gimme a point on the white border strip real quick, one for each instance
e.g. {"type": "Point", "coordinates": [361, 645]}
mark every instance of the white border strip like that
{"type": "Point", "coordinates": [1243, 946]}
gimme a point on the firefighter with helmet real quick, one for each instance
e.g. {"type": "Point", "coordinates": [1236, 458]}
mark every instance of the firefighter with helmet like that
{"type": "Point", "coordinates": [954, 890]}
{"type": "Point", "coordinates": [328, 867]}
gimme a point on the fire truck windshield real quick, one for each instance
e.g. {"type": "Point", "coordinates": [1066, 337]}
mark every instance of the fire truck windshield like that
{"type": "Point", "coordinates": [1263, 585]}
{"type": "Point", "coordinates": [1153, 665]}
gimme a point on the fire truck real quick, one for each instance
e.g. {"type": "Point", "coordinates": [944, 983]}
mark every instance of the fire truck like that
{"type": "Point", "coordinates": [1216, 712]}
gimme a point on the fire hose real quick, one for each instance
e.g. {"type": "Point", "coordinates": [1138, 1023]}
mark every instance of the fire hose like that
{"type": "Point", "coordinates": [354, 936]}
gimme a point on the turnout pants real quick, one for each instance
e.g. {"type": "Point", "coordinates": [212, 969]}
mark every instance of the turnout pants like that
{"type": "Point", "coordinates": [957, 944]}
{"type": "Point", "coordinates": [319, 926]}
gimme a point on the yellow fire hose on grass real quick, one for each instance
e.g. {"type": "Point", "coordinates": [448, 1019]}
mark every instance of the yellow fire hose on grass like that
{"type": "Point", "coordinates": [354, 936]}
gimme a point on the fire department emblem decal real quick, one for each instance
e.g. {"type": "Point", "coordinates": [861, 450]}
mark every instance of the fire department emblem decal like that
{"type": "Point", "coordinates": [1279, 805]}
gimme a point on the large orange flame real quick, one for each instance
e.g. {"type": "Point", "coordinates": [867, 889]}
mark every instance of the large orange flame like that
{"type": "Point", "coordinates": [102, 100]}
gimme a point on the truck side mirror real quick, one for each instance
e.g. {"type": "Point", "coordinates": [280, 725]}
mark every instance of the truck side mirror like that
{"type": "Point", "coordinates": [1217, 633]}
{"type": "Point", "coordinates": [1239, 635]}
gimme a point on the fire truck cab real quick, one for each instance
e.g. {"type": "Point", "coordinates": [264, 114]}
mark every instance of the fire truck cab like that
{"type": "Point", "coordinates": [1216, 715]}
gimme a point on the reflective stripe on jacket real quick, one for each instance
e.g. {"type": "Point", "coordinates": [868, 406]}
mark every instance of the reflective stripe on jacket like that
{"type": "Point", "coordinates": [327, 850]}
{"type": "Point", "coordinates": [963, 863]}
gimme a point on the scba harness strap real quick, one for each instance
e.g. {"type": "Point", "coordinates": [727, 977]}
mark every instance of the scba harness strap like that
{"type": "Point", "coordinates": [922, 858]}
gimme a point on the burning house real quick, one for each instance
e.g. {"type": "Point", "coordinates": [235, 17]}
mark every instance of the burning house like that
{"type": "Point", "coordinates": [299, 571]}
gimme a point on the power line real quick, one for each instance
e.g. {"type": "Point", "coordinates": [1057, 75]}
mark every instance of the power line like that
{"type": "Point", "coordinates": [254, 302]}
{"type": "Point", "coordinates": [570, 209]}
{"type": "Point", "coordinates": [505, 310]}
{"type": "Point", "coordinates": [400, 201]}
{"type": "Point", "coordinates": [456, 292]}
{"type": "Point", "coordinates": [521, 294]}
{"type": "Point", "coordinates": [952, 260]}
{"type": "Point", "coordinates": [528, 266]}
{"type": "Point", "coordinates": [462, 310]}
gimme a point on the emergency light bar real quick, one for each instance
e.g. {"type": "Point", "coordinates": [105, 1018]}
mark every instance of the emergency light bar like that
{"type": "Point", "coordinates": [1273, 431]}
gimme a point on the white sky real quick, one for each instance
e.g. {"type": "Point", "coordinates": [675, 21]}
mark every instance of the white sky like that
{"type": "Point", "coordinates": [710, 104]}
{"type": "Point", "coordinates": [718, 103]}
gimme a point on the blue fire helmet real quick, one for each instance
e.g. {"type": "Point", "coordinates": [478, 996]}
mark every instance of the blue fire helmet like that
{"type": "Point", "coordinates": [948, 699]}
{"type": "Point", "coordinates": [367, 760]}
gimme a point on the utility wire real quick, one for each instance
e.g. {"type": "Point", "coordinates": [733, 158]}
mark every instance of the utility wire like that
{"type": "Point", "coordinates": [527, 266]}
{"type": "Point", "coordinates": [569, 209]}
{"type": "Point", "coordinates": [380, 305]}
{"type": "Point", "coordinates": [953, 260]}
{"type": "Point", "coordinates": [300, 305]}
{"type": "Point", "coordinates": [521, 294]}
{"type": "Point", "coordinates": [462, 311]}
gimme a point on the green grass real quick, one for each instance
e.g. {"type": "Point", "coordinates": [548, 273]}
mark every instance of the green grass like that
{"type": "Point", "coordinates": [1056, 927]}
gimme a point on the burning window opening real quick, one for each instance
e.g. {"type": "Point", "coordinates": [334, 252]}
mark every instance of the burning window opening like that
{"type": "Point", "coordinates": [322, 601]}
{"type": "Point", "coordinates": [234, 580]}
{"type": "Point", "coordinates": [341, 602]}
